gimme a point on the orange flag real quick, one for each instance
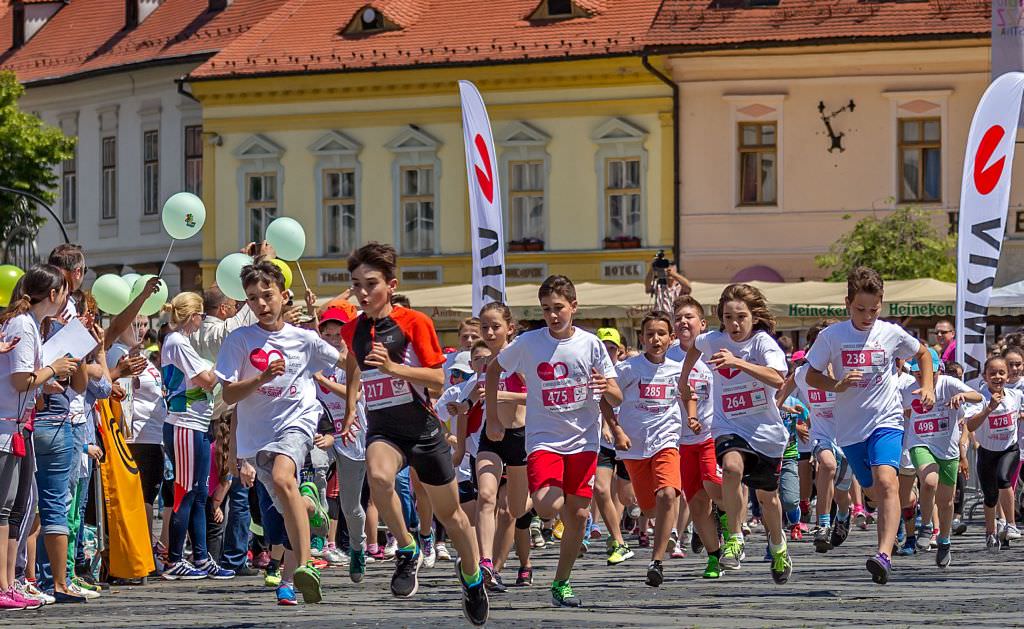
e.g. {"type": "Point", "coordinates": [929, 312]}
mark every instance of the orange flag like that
{"type": "Point", "coordinates": [131, 555]}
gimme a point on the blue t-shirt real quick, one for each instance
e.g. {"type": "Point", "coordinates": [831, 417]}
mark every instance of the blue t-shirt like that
{"type": "Point", "coordinates": [791, 420]}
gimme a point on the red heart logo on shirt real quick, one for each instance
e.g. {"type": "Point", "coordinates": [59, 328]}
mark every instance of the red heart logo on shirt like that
{"type": "Point", "coordinates": [548, 371]}
{"type": "Point", "coordinates": [729, 373]}
{"type": "Point", "coordinates": [258, 358]}
{"type": "Point", "coordinates": [917, 406]}
{"type": "Point", "coordinates": [273, 355]}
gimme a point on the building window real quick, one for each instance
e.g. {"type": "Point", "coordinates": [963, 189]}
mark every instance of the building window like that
{"type": "Point", "coordinates": [69, 188]}
{"type": "Point", "coordinates": [622, 198]}
{"type": "Point", "coordinates": [758, 148]}
{"type": "Point", "coordinates": [108, 201]}
{"type": "Point", "coordinates": [920, 159]}
{"type": "Point", "coordinates": [1020, 222]}
{"type": "Point", "coordinates": [151, 173]}
{"type": "Point", "coordinates": [260, 203]}
{"type": "Point", "coordinates": [194, 160]}
{"type": "Point", "coordinates": [340, 211]}
{"type": "Point", "coordinates": [526, 193]}
{"type": "Point", "coordinates": [417, 202]}
{"type": "Point", "coordinates": [954, 222]}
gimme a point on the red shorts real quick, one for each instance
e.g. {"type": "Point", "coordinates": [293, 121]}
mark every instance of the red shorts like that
{"type": "Point", "coordinates": [572, 473]}
{"type": "Point", "coordinates": [649, 475]}
{"type": "Point", "coordinates": [697, 463]}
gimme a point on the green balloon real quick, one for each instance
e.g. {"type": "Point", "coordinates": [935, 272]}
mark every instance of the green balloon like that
{"type": "Point", "coordinates": [229, 275]}
{"type": "Point", "coordinates": [154, 302]}
{"type": "Point", "coordinates": [183, 215]}
{"type": "Point", "coordinates": [112, 293]}
{"type": "Point", "coordinates": [287, 238]}
{"type": "Point", "coordinates": [130, 279]}
{"type": "Point", "coordinates": [9, 276]}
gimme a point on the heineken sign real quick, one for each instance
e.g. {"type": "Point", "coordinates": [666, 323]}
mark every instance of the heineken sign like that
{"type": "Point", "coordinates": [891, 309]}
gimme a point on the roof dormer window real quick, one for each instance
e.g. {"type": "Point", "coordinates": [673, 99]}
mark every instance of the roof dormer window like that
{"type": "Point", "coordinates": [560, 10]}
{"type": "Point", "coordinates": [370, 19]}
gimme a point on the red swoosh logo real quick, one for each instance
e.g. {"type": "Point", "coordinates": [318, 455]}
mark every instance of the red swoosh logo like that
{"type": "Point", "coordinates": [486, 180]}
{"type": "Point", "coordinates": [986, 178]}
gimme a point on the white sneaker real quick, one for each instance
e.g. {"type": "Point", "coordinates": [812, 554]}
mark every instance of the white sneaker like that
{"type": "Point", "coordinates": [89, 595]}
{"type": "Point", "coordinates": [1011, 532]}
{"type": "Point", "coordinates": [335, 557]}
{"type": "Point", "coordinates": [441, 551]}
{"type": "Point", "coordinates": [391, 548]}
{"type": "Point", "coordinates": [30, 590]}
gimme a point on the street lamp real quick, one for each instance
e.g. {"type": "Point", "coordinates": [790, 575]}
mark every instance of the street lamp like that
{"type": "Point", "coordinates": [38, 201]}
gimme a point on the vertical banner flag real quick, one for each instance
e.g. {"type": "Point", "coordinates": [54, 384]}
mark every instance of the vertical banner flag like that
{"type": "Point", "coordinates": [485, 218]}
{"type": "Point", "coordinates": [984, 199]}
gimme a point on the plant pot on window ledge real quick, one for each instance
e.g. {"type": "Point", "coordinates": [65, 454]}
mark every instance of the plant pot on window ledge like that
{"type": "Point", "coordinates": [526, 244]}
{"type": "Point", "coordinates": [622, 242]}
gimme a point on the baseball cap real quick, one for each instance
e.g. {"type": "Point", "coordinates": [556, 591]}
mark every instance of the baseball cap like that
{"type": "Point", "coordinates": [337, 315]}
{"type": "Point", "coordinates": [936, 363]}
{"type": "Point", "coordinates": [609, 334]}
{"type": "Point", "coordinates": [462, 363]}
{"type": "Point", "coordinates": [799, 355]}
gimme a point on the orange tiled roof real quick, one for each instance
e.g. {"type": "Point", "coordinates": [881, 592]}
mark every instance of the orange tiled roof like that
{"type": "Point", "coordinates": [307, 36]}
{"type": "Point", "coordinates": [88, 36]}
{"type": "Point", "coordinates": [723, 23]}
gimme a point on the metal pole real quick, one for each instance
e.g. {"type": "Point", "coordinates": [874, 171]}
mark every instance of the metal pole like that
{"type": "Point", "coordinates": [37, 200]}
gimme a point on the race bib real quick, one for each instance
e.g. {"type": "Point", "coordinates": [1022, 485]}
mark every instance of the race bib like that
{"type": "Point", "coordinates": [863, 359]}
{"type": "Point", "coordinates": [564, 394]}
{"type": "Point", "coordinates": [931, 424]}
{"type": "Point", "coordinates": [742, 400]}
{"type": "Point", "coordinates": [1000, 427]}
{"type": "Point", "coordinates": [700, 388]}
{"type": "Point", "coordinates": [822, 403]}
{"type": "Point", "coordinates": [382, 391]}
{"type": "Point", "coordinates": [656, 395]}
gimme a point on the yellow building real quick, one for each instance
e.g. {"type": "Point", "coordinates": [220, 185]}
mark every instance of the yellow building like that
{"type": "Point", "coordinates": [372, 149]}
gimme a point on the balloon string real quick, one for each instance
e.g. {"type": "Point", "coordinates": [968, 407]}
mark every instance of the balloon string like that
{"type": "Point", "coordinates": [302, 275]}
{"type": "Point", "coordinates": [166, 258]}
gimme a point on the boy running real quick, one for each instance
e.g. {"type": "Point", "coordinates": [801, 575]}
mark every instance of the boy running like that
{"type": "Point", "coordinates": [862, 353]}
{"type": "Point", "coordinates": [567, 372]}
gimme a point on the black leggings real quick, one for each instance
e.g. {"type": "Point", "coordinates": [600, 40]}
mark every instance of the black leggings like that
{"type": "Point", "coordinates": [995, 472]}
{"type": "Point", "coordinates": [21, 499]}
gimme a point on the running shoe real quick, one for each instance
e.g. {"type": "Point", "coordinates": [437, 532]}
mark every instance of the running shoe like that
{"type": "Point", "coordinates": [840, 531]}
{"type": "Point", "coordinates": [391, 547]}
{"type": "Point", "coordinates": [872, 515]}
{"type": "Point", "coordinates": [696, 544]}
{"type": "Point", "coordinates": [375, 553]}
{"type": "Point", "coordinates": [536, 536]}
{"type": "Point", "coordinates": [879, 566]}
{"type": "Point", "coordinates": [992, 543]}
{"type": "Point", "coordinates": [584, 547]}
{"type": "Point", "coordinates": [29, 590]}
{"type": "Point", "coordinates": [563, 596]}
{"type": "Point", "coordinates": [429, 551]}
{"type": "Point", "coordinates": [17, 596]}
{"type": "Point", "coordinates": [714, 569]}
{"type": "Point", "coordinates": [357, 565]}
{"type": "Point", "coordinates": [497, 584]}
{"type": "Point", "coordinates": [9, 602]}
{"type": "Point", "coordinates": [796, 533]}
{"type": "Point", "coordinates": [909, 547]}
{"type": "Point", "coordinates": [823, 539]}
{"type": "Point", "coordinates": [183, 571]}
{"type": "Point", "coordinates": [745, 528]}
{"type": "Point", "coordinates": [307, 581]}
{"type": "Point", "coordinates": [860, 518]}
{"type": "Point", "coordinates": [933, 540]}
{"type": "Point", "coordinates": [272, 576]}
{"type": "Point", "coordinates": [655, 574]}
{"type": "Point", "coordinates": [286, 595]}
{"type": "Point", "coordinates": [732, 553]}
{"type": "Point", "coordinates": [85, 585]}
{"type": "Point", "coordinates": [88, 595]}
{"type": "Point", "coordinates": [558, 530]}
{"type": "Point", "coordinates": [959, 526]}
{"type": "Point", "coordinates": [317, 545]}
{"type": "Point", "coordinates": [405, 580]}
{"type": "Point", "coordinates": [246, 571]}
{"type": "Point", "coordinates": [441, 550]}
{"type": "Point", "coordinates": [262, 561]}
{"type": "Point", "coordinates": [319, 564]}
{"type": "Point", "coordinates": [334, 556]}
{"type": "Point", "coordinates": [678, 553]}
{"type": "Point", "coordinates": [782, 566]}
{"type": "Point", "coordinates": [475, 605]}
{"type": "Point", "coordinates": [319, 520]}
{"type": "Point", "coordinates": [644, 540]}
{"type": "Point", "coordinates": [943, 556]}
{"type": "Point", "coordinates": [673, 541]}
{"type": "Point", "coordinates": [524, 577]}
{"type": "Point", "coordinates": [487, 570]}
{"type": "Point", "coordinates": [213, 571]}
{"type": "Point", "coordinates": [1011, 532]}
{"type": "Point", "coordinates": [619, 554]}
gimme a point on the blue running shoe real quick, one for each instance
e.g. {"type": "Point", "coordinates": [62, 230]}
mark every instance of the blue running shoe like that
{"type": "Point", "coordinates": [184, 571]}
{"type": "Point", "coordinates": [286, 595]}
{"type": "Point", "coordinates": [214, 571]}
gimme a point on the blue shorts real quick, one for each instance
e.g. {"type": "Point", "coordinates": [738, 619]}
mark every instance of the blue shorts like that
{"type": "Point", "coordinates": [883, 447]}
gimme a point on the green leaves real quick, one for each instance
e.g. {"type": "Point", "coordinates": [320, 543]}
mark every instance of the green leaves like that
{"type": "Point", "coordinates": [902, 246]}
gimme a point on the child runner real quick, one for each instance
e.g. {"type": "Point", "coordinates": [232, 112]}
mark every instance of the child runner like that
{"type": "Point", "coordinates": [611, 470]}
{"type": "Point", "coordinates": [699, 469]}
{"type": "Point", "coordinates": [862, 353]}
{"type": "Point", "coordinates": [567, 372]}
{"type": "Point", "coordinates": [395, 360]}
{"type": "Point", "coordinates": [994, 425]}
{"type": "Point", "coordinates": [649, 424]}
{"type": "Point", "coordinates": [794, 416]}
{"type": "Point", "coordinates": [267, 370]}
{"type": "Point", "coordinates": [938, 448]}
{"type": "Point", "coordinates": [750, 437]}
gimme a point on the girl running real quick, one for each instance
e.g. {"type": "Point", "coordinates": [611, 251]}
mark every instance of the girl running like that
{"type": "Point", "coordinates": [750, 437]}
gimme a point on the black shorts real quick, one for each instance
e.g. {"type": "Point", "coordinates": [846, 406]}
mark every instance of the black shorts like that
{"type": "Point", "coordinates": [149, 458]}
{"type": "Point", "coordinates": [429, 456]}
{"type": "Point", "coordinates": [609, 459]}
{"type": "Point", "coordinates": [995, 471]}
{"type": "Point", "coordinates": [759, 471]}
{"type": "Point", "coordinates": [804, 456]}
{"type": "Point", "coordinates": [511, 449]}
{"type": "Point", "coordinates": [467, 492]}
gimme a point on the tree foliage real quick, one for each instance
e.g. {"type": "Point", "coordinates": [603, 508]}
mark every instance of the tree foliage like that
{"type": "Point", "coordinates": [29, 150]}
{"type": "Point", "coordinates": [901, 246]}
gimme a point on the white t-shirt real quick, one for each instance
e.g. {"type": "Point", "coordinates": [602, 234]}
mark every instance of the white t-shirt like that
{"type": "Point", "coordinates": [562, 413]}
{"type": "Point", "coordinates": [649, 414]}
{"type": "Point", "coordinates": [700, 380]}
{"type": "Point", "coordinates": [876, 402]}
{"type": "Point", "coordinates": [149, 410]}
{"type": "Point", "coordinates": [188, 406]}
{"type": "Point", "coordinates": [473, 438]}
{"type": "Point", "coordinates": [355, 450]}
{"type": "Point", "coordinates": [287, 401]}
{"type": "Point", "coordinates": [26, 357]}
{"type": "Point", "coordinates": [999, 430]}
{"type": "Point", "coordinates": [939, 428]}
{"type": "Point", "coordinates": [745, 406]}
{"type": "Point", "coordinates": [451, 394]}
{"type": "Point", "coordinates": [821, 405]}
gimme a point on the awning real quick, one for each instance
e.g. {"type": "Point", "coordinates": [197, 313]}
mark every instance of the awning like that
{"type": "Point", "coordinates": [1009, 296]}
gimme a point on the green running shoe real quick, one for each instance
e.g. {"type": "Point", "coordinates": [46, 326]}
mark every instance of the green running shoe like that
{"type": "Point", "coordinates": [620, 553]}
{"type": "Point", "coordinates": [307, 581]}
{"type": "Point", "coordinates": [713, 569]}
{"type": "Point", "coordinates": [732, 554]}
{"type": "Point", "coordinates": [563, 596]}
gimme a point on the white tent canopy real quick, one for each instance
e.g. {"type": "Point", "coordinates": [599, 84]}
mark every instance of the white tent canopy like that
{"type": "Point", "coordinates": [1009, 296]}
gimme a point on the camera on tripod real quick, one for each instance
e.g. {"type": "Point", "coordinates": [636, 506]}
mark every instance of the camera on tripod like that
{"type": "Point", "coordinates": [661, 265]}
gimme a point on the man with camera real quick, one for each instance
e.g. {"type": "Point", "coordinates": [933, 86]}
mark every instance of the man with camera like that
{"type": "Point", "coordinates": [664, 283]}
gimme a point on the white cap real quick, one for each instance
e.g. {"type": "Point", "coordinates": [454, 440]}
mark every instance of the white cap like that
{"type": "Point", "coordinates": [461, 363]}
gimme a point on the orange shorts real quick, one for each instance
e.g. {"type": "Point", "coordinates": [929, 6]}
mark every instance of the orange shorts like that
{"type": "Point", "coordinates": [650, 475]}
{"type": "Point", "coordinates": [697, 463]}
